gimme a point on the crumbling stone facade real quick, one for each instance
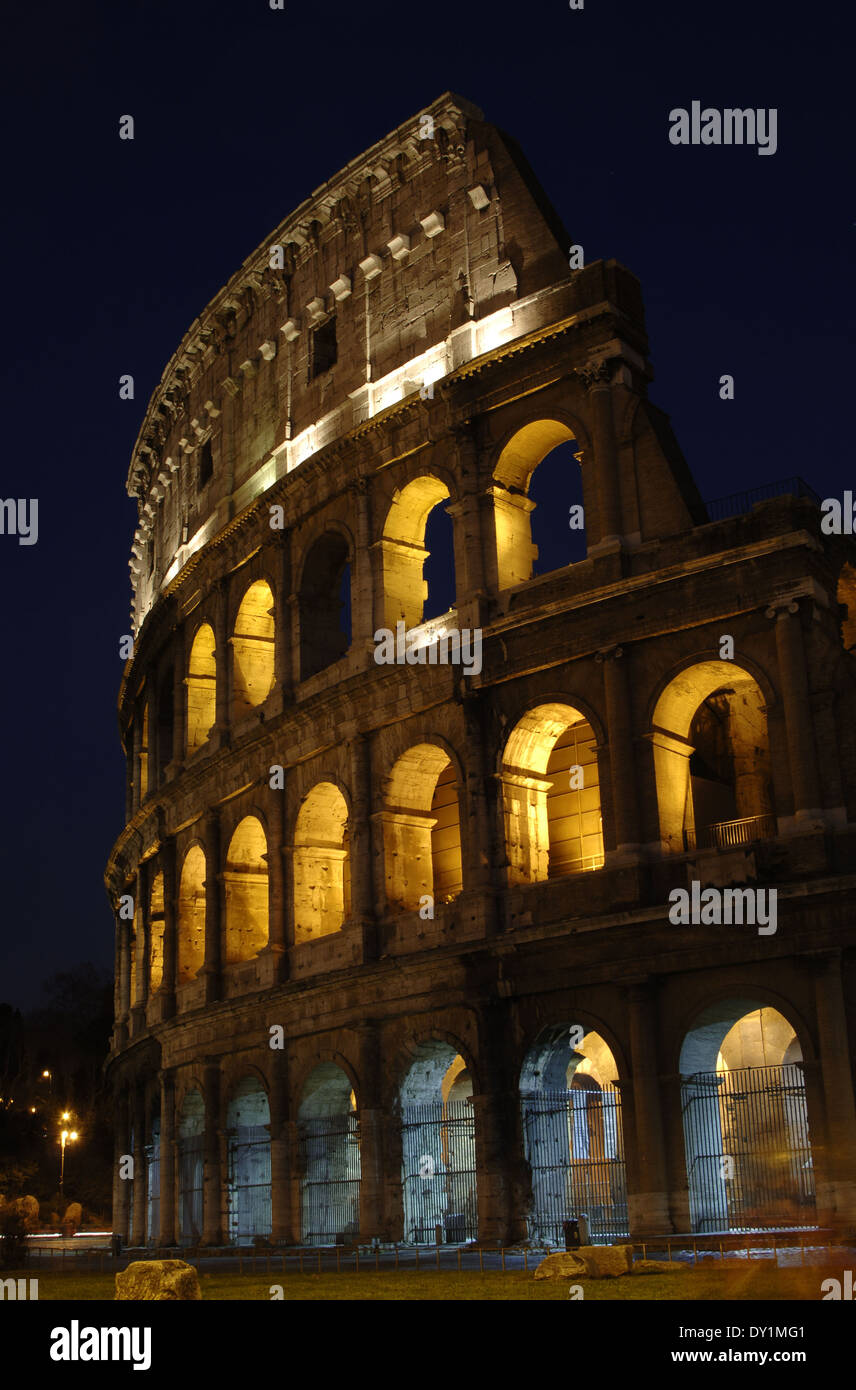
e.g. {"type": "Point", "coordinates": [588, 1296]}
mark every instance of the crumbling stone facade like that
{"type": "Point", "coordinates": [348, 888]}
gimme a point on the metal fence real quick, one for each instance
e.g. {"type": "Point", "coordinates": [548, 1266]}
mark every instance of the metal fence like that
{"type": "Point", "coordinates": [249, 1182]}
{"type": "Point", "coordinates": [190, 1169]}
{"type": "Point", "coordinates": [575, 1149]}
{"type": "Point", "coordinates": [439, 1188]}
{"type": "Point", "coordinates": [329, 1162]}
{"type": "Point", "coordinates": [748, 1149]}
{"type": "Point", "coordinates": [741, 502]}
{"type": "Point", "coordinates": [153, 1189]}
{"type": "Point", "coordinates": [727, 834]}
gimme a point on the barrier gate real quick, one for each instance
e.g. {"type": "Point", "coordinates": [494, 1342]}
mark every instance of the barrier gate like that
{"type": "Point", "coordinates": [574, 1146]}
{"type": "Point", "coordinates": [438, 1150]}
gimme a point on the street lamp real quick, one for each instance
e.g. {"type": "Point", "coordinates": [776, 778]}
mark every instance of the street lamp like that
{"type": "Point", "coordinates": [66, 1136]}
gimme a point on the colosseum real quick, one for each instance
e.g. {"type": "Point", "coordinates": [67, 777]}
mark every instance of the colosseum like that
{"type": "Point", "coordinates": [468, 889]}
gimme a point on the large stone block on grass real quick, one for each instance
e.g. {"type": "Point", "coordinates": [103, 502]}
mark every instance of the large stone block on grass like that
{"type": "Point", "coordinates": [656, 1267]}
{"type": "Point", "coordinates": [158, 1281]}
{"type": "Point", "coordinates": [588, 1262]}
{"type": "Point", "coordinates": [566, 1265]}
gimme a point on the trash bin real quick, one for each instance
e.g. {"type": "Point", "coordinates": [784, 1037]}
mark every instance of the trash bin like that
{"type": "Point", "coordinates": [571, 1232]}
{"type": "Point", "coordinates": [116, 1243]}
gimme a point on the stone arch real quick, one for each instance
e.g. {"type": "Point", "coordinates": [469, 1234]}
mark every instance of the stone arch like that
{"type": "Point", "coordinates": [324, 601]}
{"type": "Point", "coordinates": [552, 814]}
{"type": "Point", "coordinates": [248, 1179]}
{"type": "Point", "coordinates": [190, 1130]}
{"type": "Point", "coordinates": [253, 649]}
{"type": "Point", "coordinates": [328, 1156]}
{"type": "Point", "coordinates": [438, 1144]}
{"type": "Point", "coordinates": [403, 551]}
{"type": "Point", "coordinates": [572, 1133]}
{"type": "Point", "coordinates": [521, 454]}
{"type": "Point", "coordinates": [144, 750]}
{"type": "Point", "coordinates": [422, 828]}
{"type": "Point", "coordinates": [201, 688]}
{"type": "Point", "coordinates": [246, 883]}
{"type": "Point", "coordinates": [845, 593]}
{"type": "Point", "coordinates": [191, 914]}
{"type": "Point", "coordinates": [322, 877]}
{"type": "Point", "coordinates": [156, 932]}
{"type": "Point", "coordinates": [712, 755]}
{"type": "Point", "coordinates": [745, 1119]}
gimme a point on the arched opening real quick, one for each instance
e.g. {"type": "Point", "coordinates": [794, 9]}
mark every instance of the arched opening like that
{"type": "Point", "coordinates": [156, 930]}
{"type": "Point", "coordinates": [572, 1136]}
{"type": "Point", "coordinates": [246, 880]}
{"type": "Point", "coordinates": [439, 569]}
{"type": "Point", "coordinates": [328, 1158]}
{"type": "Point", "coordinates": [438, 1148]}
{"type": "Point", "coordinates": [322, 880]}
{"type": "Point", "coordinates": [191, 915]}
{"type": "Point", "coordinates": [538, 516]}
{"type": "Point", "coordinates": [248, 1179]}
{"type": "Point", "coordinates": [253, 650]}
{"type": "Point", "coordinates": [144, 753]}
{"type": "Point", "coordinates": [422, 829]}
{"type": "Point", "coordinates": [325, 604]}
{"type": "Point", "coordinates": [846, 595]}
{"type": "Point", "coordinates": [746, 1135]}
{"type": "Point", "coordinates": [165, 725]}
{"type": "Point", "coordinates": [551, 796]}
{"type": "Point", "coordinates": [407, 596]}
{"type": "Point", "coordinates": [152, 1153]}
{"type": "Point", "coordinates": [138, 955]}
{"type": "Point", "coordinates": [191, 1152]}
{"type": "Point", "coordinates": [712, 759]}
{"type": "Point", "coordinates": [201, 689]}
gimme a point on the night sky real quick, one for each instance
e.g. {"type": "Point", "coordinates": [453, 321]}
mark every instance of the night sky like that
{"type": "Point", "coordinates": [111, 248]}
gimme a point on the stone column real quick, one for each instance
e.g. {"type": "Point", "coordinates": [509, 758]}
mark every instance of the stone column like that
{"type": "Point", "coordinates": [361, 832]}
{"type": "Point", "coordinates": [647, 1208]}
{"type": "Point", "coordinates": [622, 769]}
{"type": "Point", "coordinates": [137, 745]}
{"type": "Point", "coordinates": [362, 597]}
{"type": "Point", "coordinates": [371, 1134]}
{"type": "Point", "coordinates": [283, 672]}
{"type": "Point", "coordinates": [276, 883]}
{"type": "Point", "coordinates": [474, 808]}
{"type": "Point", "coordinates": [212, 967]}
{"type": "Point", "coordinates": [212, 1197]}
{"type": "Point", "coordinates": [140, 985]}
{"type": "Point", "coordinates": [167, 1233]}
{"type": "Point", "coordinates": [595, 378]}
{"type": "Point", "coordinates": [292, 604]}
{"type": "Point", "coordinates": [121, 1149]}
{"type": "Point", "coordinates": [179, 702]}
{"type": "Point", "coordinates": [140, 1182]}
{"type": "Point", "coordinates": [170, 926]}
{"type": "Point", "coordinates": [798, 723]}
{"type": "Point", "coordinates": [124, 932]}
{"type": "Point", "coordinates": [498, 1152]}
{"type": "Point", "coordinates": [221, 657]}
{"type": "Point", "coordinates": [280, 1186]}
{"type": "Point", "coordinates": [837, 1076]}
{"type": "Point", "coordinates": [467, 518]}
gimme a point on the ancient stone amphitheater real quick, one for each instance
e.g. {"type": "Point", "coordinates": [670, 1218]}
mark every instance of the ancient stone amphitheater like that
{"type": "Point", "coordinates": [397, 953]}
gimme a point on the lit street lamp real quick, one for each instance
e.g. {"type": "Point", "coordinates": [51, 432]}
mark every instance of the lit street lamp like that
{"type": "Point", "coordinates": [67, 1136]}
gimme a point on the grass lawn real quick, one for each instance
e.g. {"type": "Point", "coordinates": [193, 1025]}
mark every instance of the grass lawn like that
{"type": "Point", "coordinates": [758, 1281]}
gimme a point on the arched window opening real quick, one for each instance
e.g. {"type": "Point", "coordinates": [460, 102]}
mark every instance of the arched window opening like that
{"type": "Point", "coordinates": [439, 568]}
{"type": "Point", "coordinates": [551, 796]}
{"type": "Point", "coordinates": [246, 880]}
{"type": "Point", "coordinates": [438, 1149]}
{"type": "Point", "coordinates": [322, 885]}
{"type": "Point", "coordinates": [539, 522]}
{"type": "Point", "coordinates": [201, 689]}
{"type": "Point", "coordinates": [712, 759]}
{"type": "Point", "coordinates": [191, 915]}
{"type": "Point", "coordinates": [573, 1137]}
{"type": "Point", "coordinates": [746, 1134]}
{"type": "Point", "coordinates": [191, 1153]}
{"type": "Point", "coordinates": [156, 930]}
{"type": "Point", "coordinates": [325, 604]}
{"type": "Point", "coordinates": [405, 552]}
{"type": "Point", "coordinates": [165, 726]}
{"type": "Point", "coordinates": [253, 650]}
{"type": "Point", "coordinates": [248, 1178]}
{"type": "Point", "coordinates": [144, 753]}
{"type": "Point", "coordinates": [328, 1158]}
{"type": "Point", "coordinates": [422, 829]}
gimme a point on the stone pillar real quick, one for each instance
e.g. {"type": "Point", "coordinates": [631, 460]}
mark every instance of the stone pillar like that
{"type": "Point", "coordinates": [837, 1076]}
{"type": "Point", "coordinates": [283, 672]}
{"type": "Point", "coordinates": [467, 518]}
{"type": "Point", "coordinates": [497, 1132]}
{"type": "Point", "coordinates": [648, 1207]}
{"type": "Point", "coordinates": [362, 595]}
{"type": "Point", "coordinates": [124, 933]}
{"type": "Point", "coordinates": [121, 1149]}
{"type": "Point", "coordinates": [276, 883]}
{"type": "Point", "coordinates": [221, 657]}
{"type": "Point", "coordinates": [170, 926]}
{"type": "Point", "coordinates": [361, 833]}
{"type": "Point", "coordinates": [595, 377]}
{"type": "Point", "coordinates": [140, 985]}
{"type": "Point", "coordinates": [371, 1134]}
{"type": "Point", "coordinates": [140, 1176]}
{"type": "Point", "coordinates": [167, 1233]}
{"type": "Point", "coordinates": [474, 808]}
{"type": "Point", "coordinates": [282, 1232]}
{"type": "Point", "coordinates": [622, 769]}
{"type": "Point", "coordinates": [793, 679]}
{"type": "Point", "coordinates": [179, 702]}
{"type": "Point", "coordinates": [212, 1220]}
{"type": "Point", "coordinates": [137, 746]}
{"type": "Point", "coordinates": [293, 624]}
{"type": "Point", "coordinates": [212, 967]}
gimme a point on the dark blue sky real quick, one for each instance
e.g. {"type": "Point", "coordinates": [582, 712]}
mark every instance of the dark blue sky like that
{"type": "Point", "coordinates": [111, 248]}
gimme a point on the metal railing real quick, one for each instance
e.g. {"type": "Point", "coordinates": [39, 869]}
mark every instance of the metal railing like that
{"type": "Point", "coordinates": [729, 834]}
{"type": "Point", "coordinates": [739, 503]}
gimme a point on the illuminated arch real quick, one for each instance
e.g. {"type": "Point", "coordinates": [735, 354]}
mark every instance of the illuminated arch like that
{"type": "Point", "coordinates": [191, 915]}
{"type": "Point", "coordinates": [403, 549]}
{"type": "Point", "coordinates": [253, 644]}
{"type": "Point", "coordinates": [144, 752]}
{"type": "Point", "coordinates": [324, 600]}
{"type": "Point", "coordinates": [201, 688]}
{"type": "Point", "coordinates": [522, 454]}
{"type": "Point", "coordinates": [422, 828]}
{"type": "Point", "coordinates": [438, 1146]}
{"type": "Point", "coordinates": [156, 931]}
{"type": "Point", "coordinates": [191, 1152]}
{"type": "Point", "coordinates": [246, 880]}
{"type": "Point", "coordinates": [322, 883]}
{"type": "Point", "coordinates": [248, 1181]}
{"type": "Point", "coordinates": [712, 757]}
{"type": "Point", "coordinates": [552, 820]}
{"type": "Point", "coordinates": [328, 1157]}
